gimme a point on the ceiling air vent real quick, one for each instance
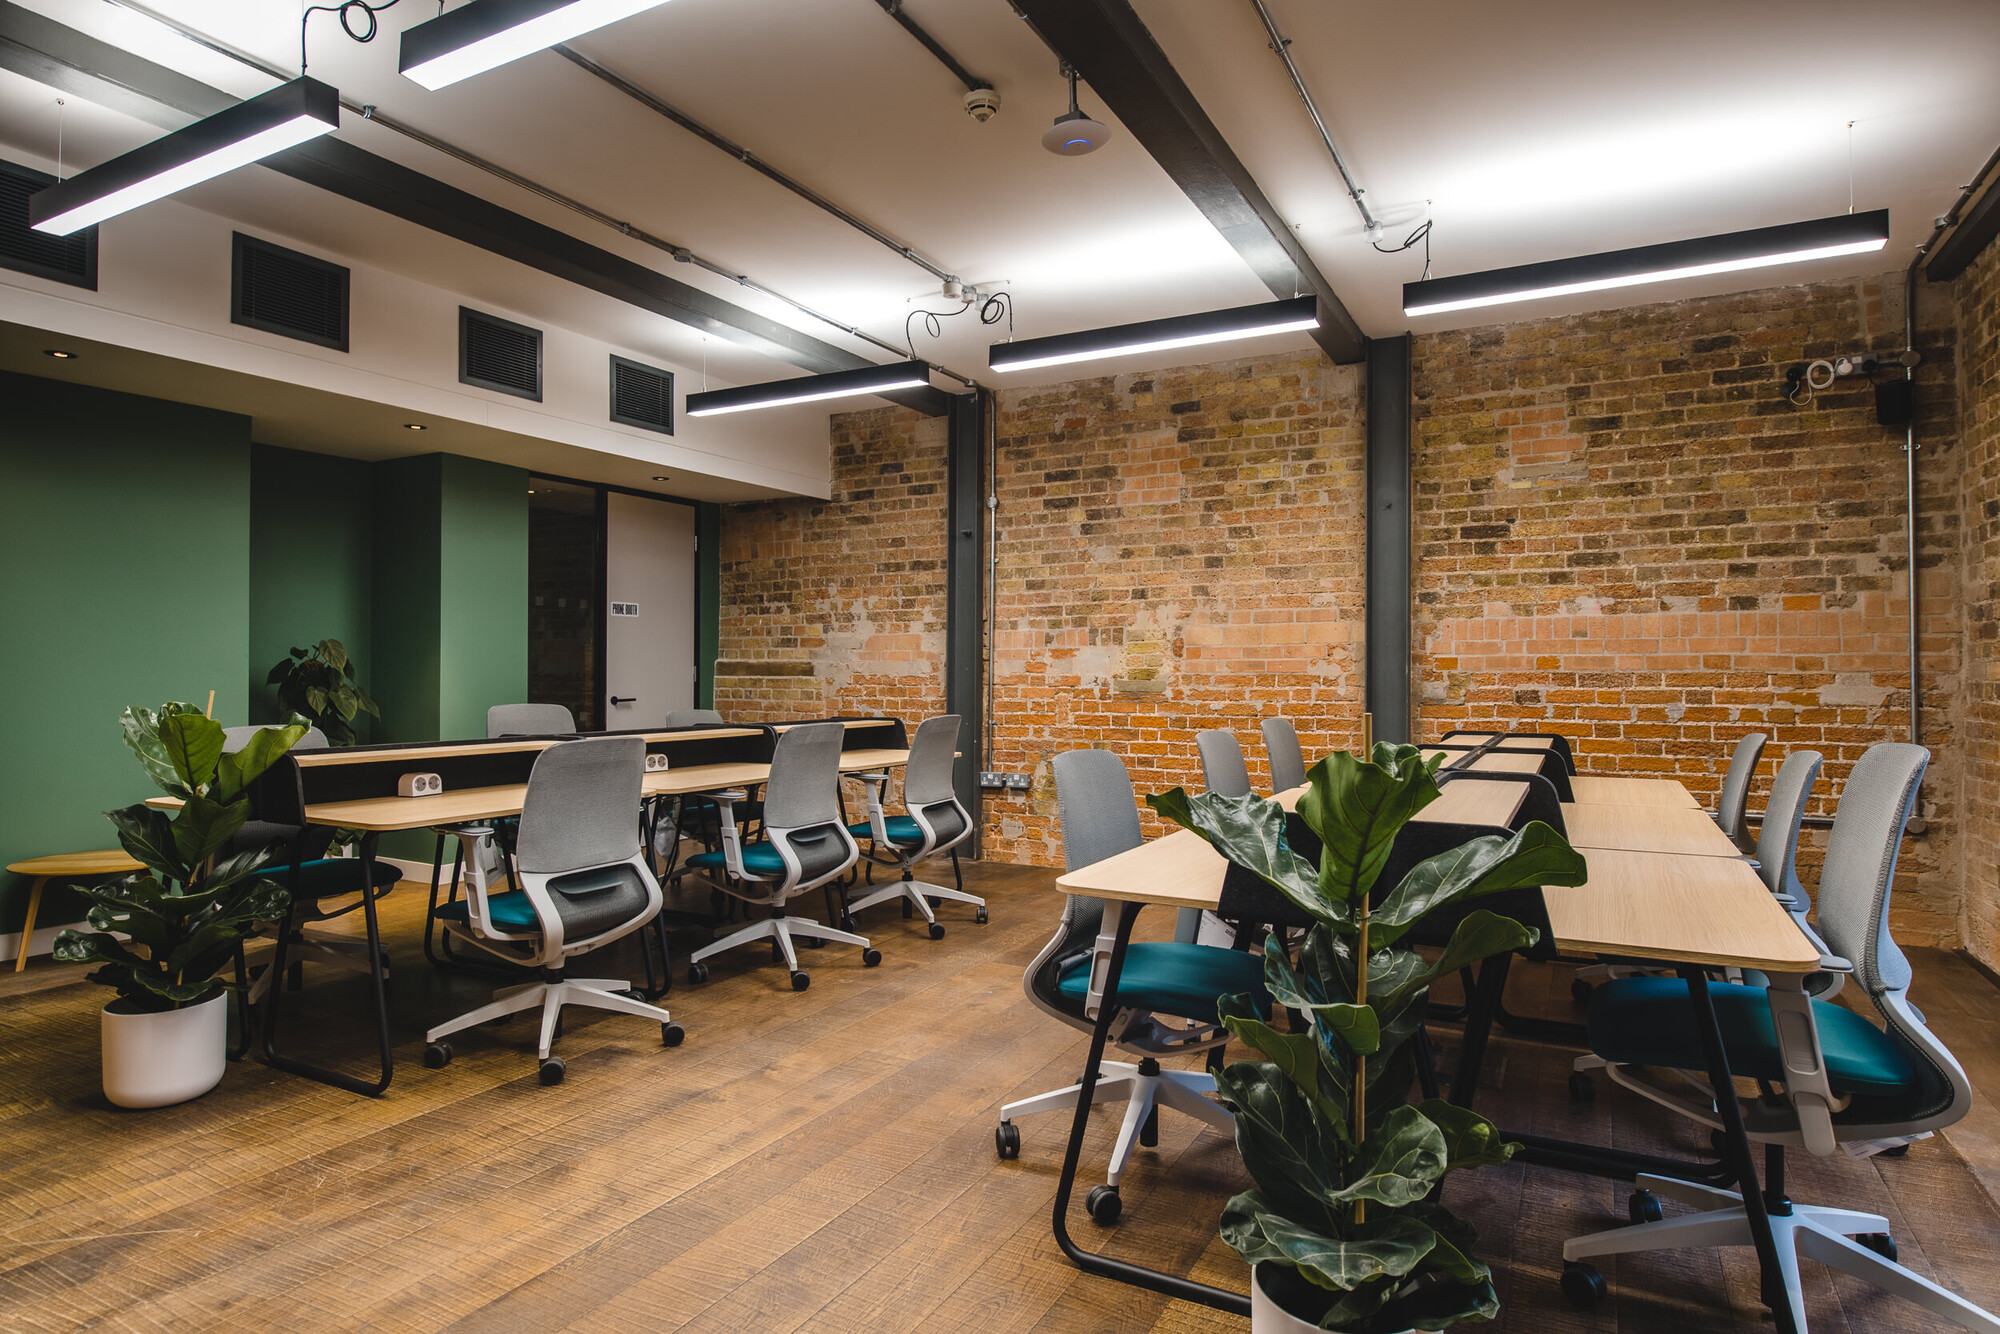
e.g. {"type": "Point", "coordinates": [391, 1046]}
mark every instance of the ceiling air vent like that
{"type": "Point", "coordinates": [66, 259]}
{"type": "Point", "coordinates": [499, 355]}
{"type": "Point", "coordinates": [642, 396]}
{"type": "Point", "coordinates": [284, 292]}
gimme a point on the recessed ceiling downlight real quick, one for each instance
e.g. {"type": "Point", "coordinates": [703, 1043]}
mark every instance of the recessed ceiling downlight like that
{"type": "Point", "coordinates": [415, 426]}
{"type": "Point", "coordinates": [60, 354]}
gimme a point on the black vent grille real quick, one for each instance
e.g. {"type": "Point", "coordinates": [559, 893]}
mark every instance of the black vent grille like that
{"type": "Point", "coordinates": [66, 259]}
{"type": "Point", "coordinates": [284, 292]}
{"type": "Point", "coordinates": [642, 396]}
{"type": "Point", "coordinates": [499, 355]}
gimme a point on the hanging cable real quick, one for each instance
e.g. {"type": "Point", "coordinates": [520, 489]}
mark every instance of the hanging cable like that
{"type": "Point", "coordinates": [345, 9]}
{"type": "Point", "coordinates": [991, 311]}
{"type": "Point", "coordinates": [1422, 233]}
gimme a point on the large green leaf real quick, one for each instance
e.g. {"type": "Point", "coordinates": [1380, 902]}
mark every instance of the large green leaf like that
{"type": "Point", "coordinates": [1292, 1150]}
{"type": "Point", "coordinates": [1480, 935]}
{"type": "Point", "coordinates": [193, 743]}
{"type": "Point", "coordinates": [1391, 1250]}
{"type": "Point", "coordinates": [1400, 1162]}
{"type": "Point", "coordinates": [1537, 855]}
{"type": "Point", "coordinates": [202, 827]}
{"type": "Point", "coordinates": [147, 836]}
{"type": "Point", "coordinates": [278, 673]}
{"type": "Point", "coordinates": [1470, 1139]}
{"type": "Point", "coordinates": [1294, 1053]}
{"type": "Point", "coordinates": [1440, 1303]}
{"type": "Point", "coordinates": [1357, 809]}
{"type": "Point", "coordinates": [1355, 1025]}
{"type": "Point", "coordinates": [1250, 831]}
{"type": "Point", "coordinates": [236, 771]}
{"type": "Point", "coordinates": [142, 738]}
{"type": "Point", "coordinates": [333, 654]}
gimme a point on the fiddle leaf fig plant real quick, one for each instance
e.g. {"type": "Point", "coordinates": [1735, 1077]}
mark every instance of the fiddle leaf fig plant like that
{"type": "Point", "coordinates": [1347, 1169]}
{"type": "Point", "coordinates": [319, 684]}
{"type": "Point", "coordinates": [182, 917]}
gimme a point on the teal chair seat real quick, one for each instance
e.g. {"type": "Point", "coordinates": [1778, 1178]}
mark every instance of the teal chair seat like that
{"type": "Point", "coordinates": [758, 859]}
{"type": "Point", "coordinates": [901, 829]}
{"type": "Point", "coordinates": [1651, 1021]}
{"type": "Point", "coordinates": [510, 912]}
{"type": "Point", "coordinates": [1178, 980]}
{"type": "Point", "coordinates": [330, 877]}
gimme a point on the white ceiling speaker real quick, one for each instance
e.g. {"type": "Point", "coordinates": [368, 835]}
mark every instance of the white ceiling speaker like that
{"type": "Point", "coordinates": [1074, 133]}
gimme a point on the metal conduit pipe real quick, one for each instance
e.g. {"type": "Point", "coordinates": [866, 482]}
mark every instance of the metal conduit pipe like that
{"type": "Point", "coordinates": [894, 9]}
{"type": "Point", "coordinates": [682, 254]}
{"type": "Point", "coordinates": [1283, 46]}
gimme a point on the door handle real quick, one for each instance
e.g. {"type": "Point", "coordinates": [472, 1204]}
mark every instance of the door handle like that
{"type": "Point", "coordinates": [624, 699]}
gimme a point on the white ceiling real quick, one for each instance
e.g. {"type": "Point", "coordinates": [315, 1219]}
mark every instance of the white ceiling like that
{"type": "Point", "coordinates": [1534, 131]}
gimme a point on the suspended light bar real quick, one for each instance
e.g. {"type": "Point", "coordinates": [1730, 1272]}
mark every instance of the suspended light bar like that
{"type": "Point", "coordinates": [810, 388]}
{"type": "Point", "coordinates": [1215, 326]}
{"type": "Point", "coordinates": [1823, 238]}
{"type": "Point", "coordinates": [268, 123]}
{"type": "Point", "coordinates": [485, 34]}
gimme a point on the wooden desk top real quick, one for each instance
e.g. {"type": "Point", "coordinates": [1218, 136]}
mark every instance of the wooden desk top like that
{"type": "Point", "coordinates": [1710, 910]}
{"type": "Point", "coordinates": [1508, 762]}
{"type": "Point", "coordinates": [114, 862]}
{"type": "Point", "coordinates": [419, 752]}
{"type": "Point", "coordinates": [1504, 739]}
{"type": "Point", "coordinates": [1592, 791]}
{"type": "Point", "coordinates": [1647, 829]}
{"type": "Point", "coordinates": [849, 723]}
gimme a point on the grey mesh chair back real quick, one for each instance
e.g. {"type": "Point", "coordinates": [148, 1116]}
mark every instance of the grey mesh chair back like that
{"type": "Point", "coordinates": [1778, 835]}
{"type": "Point", "coordinates": [582, 805]}
{"type": "Point", "coordinates": [805, 778]}
{"type": "Point", "coordinates": [1223, 771]}
{"type": "Point", "coordinates": [1861, 852]}
{"type": "Point", "coordinates": [1098, 817]}
{"type": "Point", "coordinates": [678, 718]}
{"type": "Point", "coordinates": [529, 720]}
{"type": "Point", "coordinates": [1281, 748]}
{"type": "Point", "coordinates": [927, 779]}
{"type": "Point", "coordinates": [1735, 799]}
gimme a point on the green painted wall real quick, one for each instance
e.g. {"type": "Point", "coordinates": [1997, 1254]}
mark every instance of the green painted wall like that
{"type": "Point", "coordinates": [406, 591]}
{"type": "Point", "coordinates": [125, 537]}
{"type": "Point", "coordinates": [311, 565]}
{"type": "Point", "coordinates": [483, 591]}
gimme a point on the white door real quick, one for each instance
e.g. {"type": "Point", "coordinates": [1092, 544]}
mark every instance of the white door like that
{"type": "Point", "coordinates": [649, 613]}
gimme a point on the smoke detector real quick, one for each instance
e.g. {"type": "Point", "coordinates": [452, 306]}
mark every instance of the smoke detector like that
{"type": "Point", "coordinates": [981, 104]}
{"type": "Point", "coordinates": [1074, 133]}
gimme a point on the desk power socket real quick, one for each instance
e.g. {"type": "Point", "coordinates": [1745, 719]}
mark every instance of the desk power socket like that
{"type": "Point", "coordinates": [656, 764]}
{"type": "Point", "coordinates": [419, 785]}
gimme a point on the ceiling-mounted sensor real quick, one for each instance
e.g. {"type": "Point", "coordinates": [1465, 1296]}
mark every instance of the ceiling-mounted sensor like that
{"type": "Point", "coordinates": [982, 104]}
{"type": "Point", "coordinates": [1074, 133]}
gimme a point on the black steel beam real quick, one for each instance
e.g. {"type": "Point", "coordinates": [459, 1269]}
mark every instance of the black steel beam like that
{"type": "Point", "coordinates": [1388, 537]}
{"type": "Point", "coordinates": [74, 61]}
{"type": "Point", "coordinates": [964, 635]}
{"type": "Point", "coordinates": [894, 9]}
{"type": "Point", "coordinates": [1954, 254]}
{"type": "Point", "coordinates": [1107, 43]}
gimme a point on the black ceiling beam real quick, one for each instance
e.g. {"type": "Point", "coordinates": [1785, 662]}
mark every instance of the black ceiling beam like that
{"type": "Point", "coordinates": [1954, 254]}
{"type": "Point", "coordinates": [72, 61]}
{"type": "Point", "coordinates": [1109, 46]}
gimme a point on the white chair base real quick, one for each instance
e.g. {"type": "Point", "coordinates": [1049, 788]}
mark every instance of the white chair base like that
{"type": "Point", "coordinates": [1181, 1090]}
{"type": "Point", "coordinates": [780, 929]}
{"type": "Point", "coordinates": [919, 894]}
{"type": "Point", "coordinates": [600, 993]}
{"type": "Point", "coordinates": [1815, 1232]}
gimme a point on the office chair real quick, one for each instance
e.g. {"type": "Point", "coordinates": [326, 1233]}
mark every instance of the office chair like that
{"type": "Point", "coordinates": [679, 718]}
{"type": "Point", "coordinates": [1225, 773]}
{"type": "Point", "coordinates": [529, 720]}
{"type": "Point", "coordinates": [583, 884]}
{"type": "Point", "coordinates": [1734, 800]}
{"type": "Point", "coordinates": [805, 845]}
{"type": "Point", "coordinates": [1843, 1080]}
{"type": "Point", "coordinates": [1281, 748]}
{"type": "Point", "coordinates": [934, 822]}
{"type": "Point", "coordinates": [1099, 818]}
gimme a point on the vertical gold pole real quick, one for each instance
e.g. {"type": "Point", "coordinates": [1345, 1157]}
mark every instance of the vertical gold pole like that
{"type": "Point", "coordinates": [209, 712]}
{"type": "Point", "coordinates": [1367, 735]}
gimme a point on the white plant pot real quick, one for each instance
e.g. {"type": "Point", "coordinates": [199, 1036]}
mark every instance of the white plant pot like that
{"type": "Point", "coordinates": [155, 1060]}
{"type": "Point", "coordinates": [1267, 1317]}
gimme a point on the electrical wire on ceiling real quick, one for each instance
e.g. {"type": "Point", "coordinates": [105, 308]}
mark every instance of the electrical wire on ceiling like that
{"type": "Point", "coordinates": [1421, 233]}
{"type": "Point", "coordinates": [344, 9]}
{"type": "Point", "coordinates": [991, 311]}
{"type": "Point", "coordinates": [372, 114]}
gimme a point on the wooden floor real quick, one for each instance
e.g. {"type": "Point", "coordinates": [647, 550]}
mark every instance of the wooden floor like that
{"type": "Point", "coordinates": [816, 1161]}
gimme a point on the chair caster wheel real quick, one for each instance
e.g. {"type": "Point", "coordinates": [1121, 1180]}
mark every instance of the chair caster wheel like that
{"type": "Point", "coordinates": [1900, 1151]}
{"type": "Point", "coordinates": [849, 924]}
{"type": "Point", "coordinates": [800, 981]}
{"type": "Point", "coordinates": [1643, 1207]}
{"type": "Point", "coordinates": [937, 930]}
{"type": "Point", "coordinates": [979, 916]}
{"type": "Point", "coordinates": [1881, 1243]}
{"type": "Point", "coordinates": [870, 957]}
{"type": "Point", "coordinates": [1104, 1205]}
{"type": "Point", "coordinates": [1582, 1284]}
{"type": "Point", "coordinates": [1718, 1141]}
{"type": "Point", "coordinates": [672, 1035]}
{"type": "Point", "coordinates": [552, 1070]}
{"type": "Point", "coordinates": [1007, 1140]}
{"type": "Point", "coordinates": [697, 974]}
{"type": "Point", "coordinates": [437, 1055]}
{"type": "Point", "coordinates": [1579, 991]}
{"type": "Point", "coordinates": [1582, 1088]}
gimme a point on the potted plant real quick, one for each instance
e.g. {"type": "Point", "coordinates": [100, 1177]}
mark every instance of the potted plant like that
{"type": "Point", "coordinates": [1344, 1229]}
{"type": "Point", "coordinates": [318, 684]}
{"type": "Point", "coordinates": [165, 1036]}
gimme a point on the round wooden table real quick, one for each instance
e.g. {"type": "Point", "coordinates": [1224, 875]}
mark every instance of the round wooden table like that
{"type": "Point", "coordinates": [63, 866]}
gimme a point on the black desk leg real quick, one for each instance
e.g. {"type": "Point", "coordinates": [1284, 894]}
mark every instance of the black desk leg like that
{"type": "Point", "coordinates": [1737, 1150]}
{"type": "Point", "coordinates": [1103, 1266]}
{"type": "Point", "coordinates": [376, 986]}
{"type": "Point", "coordinates": [1480, 1008]}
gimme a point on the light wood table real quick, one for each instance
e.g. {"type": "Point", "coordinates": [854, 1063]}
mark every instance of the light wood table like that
{"type": "Point", "coordinates": [1499, 739]}
{"type": "Point", "coordinates": [1595, 791]}
{"type": "Point", "coordinates": [1682, 909]}
{"type": "Point", "coordinates": [315, 759]}
{"type": "Point", "coordinates": [1647, 829]}
{"type": "Point", "coordinates": [63, 866]}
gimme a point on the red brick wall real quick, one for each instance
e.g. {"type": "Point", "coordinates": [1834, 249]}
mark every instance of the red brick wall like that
{"type": "Point", "coordinates": [1978, 312]}
{"type": "Point", "coordinates": [1625, 534]}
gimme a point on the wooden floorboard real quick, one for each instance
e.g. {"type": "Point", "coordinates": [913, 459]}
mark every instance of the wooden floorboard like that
{"type": "Point", "coordinates": [816, 1161]}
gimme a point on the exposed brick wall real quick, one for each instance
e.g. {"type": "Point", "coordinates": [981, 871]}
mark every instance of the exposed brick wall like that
{"type": "Point", "coordinates": [1977, 292]}
{"type": "Point", "coordinates": [1627, 535]}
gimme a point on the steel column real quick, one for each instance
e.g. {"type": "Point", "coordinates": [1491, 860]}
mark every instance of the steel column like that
{"type": "Point", "coordinates": [1389, 538]}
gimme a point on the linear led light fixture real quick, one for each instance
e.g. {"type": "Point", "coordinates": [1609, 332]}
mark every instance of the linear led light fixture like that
{"type": "Point", "coordinates": [265, 124]}
{"type": "Point", "coordinates": [1822, 238]}
{"type": "Point", "coordinates": [810, 388]}
{"type": "Point", "coordinates": [485, 34]}
{"type": "Point", "coordinates": [1214, 326]}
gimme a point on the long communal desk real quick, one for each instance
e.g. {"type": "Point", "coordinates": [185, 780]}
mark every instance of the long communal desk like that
{"type": "Point", "coordinates": [1694, 911]}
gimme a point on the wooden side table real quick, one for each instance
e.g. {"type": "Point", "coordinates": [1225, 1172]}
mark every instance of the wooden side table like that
{"type": "Point", "coordinates": [63, 866]}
